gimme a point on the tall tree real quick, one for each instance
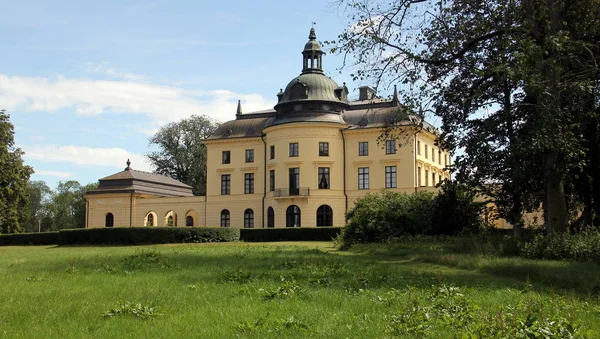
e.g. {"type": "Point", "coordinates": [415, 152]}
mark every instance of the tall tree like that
{"type": "Point", "coordinates": [14, 175]}
{"type": "Point", "coordinates": [506, 77]}
{"type": "Point", "coordinates": [67, 206]}
{"type": "Point", "coordinates": [181, 152]}
{"type": "Point", "coordinates": [37, 207]}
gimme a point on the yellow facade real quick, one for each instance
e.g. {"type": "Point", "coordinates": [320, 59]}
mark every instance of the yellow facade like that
{"type": "Point", "coordinates": [303, 163]}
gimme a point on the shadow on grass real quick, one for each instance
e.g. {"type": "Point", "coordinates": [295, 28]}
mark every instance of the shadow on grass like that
{"type": "Point", "coordinates": [268, 264]}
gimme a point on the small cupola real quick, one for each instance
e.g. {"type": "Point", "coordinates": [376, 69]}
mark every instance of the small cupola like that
{"type": "Point", "coordinates": [312, 55]}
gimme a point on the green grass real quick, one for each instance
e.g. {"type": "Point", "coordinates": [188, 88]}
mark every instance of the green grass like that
{"type": "Point", "coordinates": [304, 289]}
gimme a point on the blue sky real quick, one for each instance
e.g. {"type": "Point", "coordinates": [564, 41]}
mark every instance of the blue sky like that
{"type": "Point", "coordinates": [88, 82]}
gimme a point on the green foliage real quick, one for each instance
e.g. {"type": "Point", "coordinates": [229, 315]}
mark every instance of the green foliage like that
{"type": "Point", "coordinates": [137, 310]}
{"type": "Point", "coordinates": [67, 206]}
{"type": "Point", "coordinates": [289, 234]}
{"type": "Point", "coordinates": [515, 84]}
{"type": "Point", "coordinates": [388, 215]}
{"type": "Point", "coordinates": [147, 259]}
{"type": "Point", "coordinates": [583, 246]}
{"type": "Point", "coordinates": [288, 288]}
{"type": "Point", "coordinates": [146, 235]}
{"type": "Point", "coordinates": [14, 176]}
{"type": "Point", "coordinates": [239, 276]}
{"type": "Point", "coordinates": [181, 153]}
{"type": "Point", "coordinates": [379, 217]}
{"type": "Point", "coordinates": [36, 211]}
{"type": "Point", "coordinates": [456, 210]}
{"type": "Point", "coordinates": [46, 238]}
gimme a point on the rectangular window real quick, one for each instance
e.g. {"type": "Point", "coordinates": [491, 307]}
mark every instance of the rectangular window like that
{"type": "Point", "coordinates": [390, 146]}
{"type": "Point", "coordinates": [226, 184]}
{"type": "Point", "coordinates": [249, 155]}
{"type": "Point", "coordinates": [425, 151]}
{"type": "Point", "coordinates": [426, 178]}
{"type": "Point", "coordinates": [363, 148]}
{"type": "Point", "coordinates": [419, 176]}
{"type": "Point", "coordinates": [249, 183]}
{"type": "Point", "coordinates": [293, 149]}
{"type": "Point", "coordinates": [323, 149]}
{"type": "Point", "coordinates": [363, 178]}
{"type": "Point", "coordinates": [418, 148]}
{"type": "Point", "coordinates": [439, 178]}
{"type": "Point", "coordinates": [324, 177]}
{"type": "Point", "coordinates": [390, 176]}
{"type": "Point", "coordinates": [432, 154]}
{"type": "Point", "coordinates": [226, 157]}
{"type": "Point", "coordinates": [440, 157]}
{"type": "Point", "coordinates": [294, 183]}
{"type": "Point", "coordinates": [271, 180]}
{"type": "Point", "coordinates": [432, 178]}
{"type": "Point", "coordinates": [272, 152]}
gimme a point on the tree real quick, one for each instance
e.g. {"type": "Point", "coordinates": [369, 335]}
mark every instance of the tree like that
{"type": "Point", "coordinates": [181, 152]}
{"type": "Point", "coordinates": [67, 206]}
{"type": "Point", "coordinates": [37, 207]}
{"type": "Point", "coordinates": [14, 175]}
{"type": "Point", "coordinates": [513, 81]}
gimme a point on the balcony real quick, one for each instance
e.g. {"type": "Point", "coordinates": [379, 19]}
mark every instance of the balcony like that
{"type": "Point", "coordinates": [291, 192]}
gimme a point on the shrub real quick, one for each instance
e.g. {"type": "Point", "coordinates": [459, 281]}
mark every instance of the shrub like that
{"type": "Point", "coordinates": [146, 235]}
{"type": "Point", "coordinates": [289, 234]}
{"type": "Point", "coordinates": [379, 217]}
{"type": "Point", "coordinates": [456, 211]}
{"type": "Point", "coordinates": [47, 238]}
{"type": "Point", "coordinates": [584, 246]}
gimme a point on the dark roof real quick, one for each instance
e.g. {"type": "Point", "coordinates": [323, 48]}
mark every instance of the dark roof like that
{"type": "Point", "coordinates": [375, 113]}
{"type": "Point", "coordinates": [132, 181]}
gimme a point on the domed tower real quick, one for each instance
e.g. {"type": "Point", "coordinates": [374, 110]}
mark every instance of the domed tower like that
{"type": "Point", "coordinates": [312, 96]}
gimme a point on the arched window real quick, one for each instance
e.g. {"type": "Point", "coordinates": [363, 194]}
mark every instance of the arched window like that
{"type": "Point", "coordinates": [225, 218]}
{"type": "Point", "coordinates": [248, 218]}
{"type": "Point", "coordinates": [324, 216]}
{"type": "Point", "coordinates": [270, 217]}
{"type": "Point", "coordinates": [189, 220]}
{"type": "Point", "coordinates": [110, 220]}
{"type": "Point", "coordinates": [292, 216]}
{"type": "Point", "coordinates": [150, 219]}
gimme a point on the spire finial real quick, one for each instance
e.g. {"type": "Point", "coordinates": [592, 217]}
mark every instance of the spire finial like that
{"type": "Point", "coordinates": [128, 168]}
{"type": "Point", "coordinates": [239, 108]}
{"type": "Point", "coordinates": [395, 98]}
{"type": "Point", "coordinates": [312, 35]}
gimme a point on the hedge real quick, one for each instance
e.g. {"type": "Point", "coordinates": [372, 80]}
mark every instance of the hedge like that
{"type": "Point", "coordinates": [289, 234]}
{"type": "Point", "coordinates": [46, 238]}
{"type": "Point", "coordinates": [163, 235]}
{"type": "Point", "coordinates": [146, 235]}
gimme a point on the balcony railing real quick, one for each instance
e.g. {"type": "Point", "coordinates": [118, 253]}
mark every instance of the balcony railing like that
{"type": "Point", "coordinates": [291, 192]}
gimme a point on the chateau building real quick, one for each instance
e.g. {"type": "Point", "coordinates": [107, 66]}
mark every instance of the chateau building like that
{"type": "Point", "coordinates": [301, 164]}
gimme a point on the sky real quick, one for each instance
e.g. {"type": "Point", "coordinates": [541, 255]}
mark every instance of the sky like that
{"type": "Point", "coordinates": [87, 83]}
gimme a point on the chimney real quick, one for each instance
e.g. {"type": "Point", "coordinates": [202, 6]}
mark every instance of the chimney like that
{"type": "Point", "coordinates": [366, 93]}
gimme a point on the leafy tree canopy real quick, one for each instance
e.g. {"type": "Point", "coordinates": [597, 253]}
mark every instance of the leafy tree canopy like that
{"type": "Point", "coordinates": [181, 152]}
{"type": "Point", "coordinates": [14, 175]}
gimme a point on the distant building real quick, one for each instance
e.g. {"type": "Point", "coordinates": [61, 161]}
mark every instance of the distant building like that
{"type": "Point", "coordinates": [302, 163]}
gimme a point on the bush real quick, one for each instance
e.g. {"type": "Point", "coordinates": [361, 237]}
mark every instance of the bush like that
{"type": "Point", "coordinates": [47, 238]}
{"type": "Point", "coordinates": [289, 234]}
{"type": "Point", "coordinates": [584, 246]}
{"type": "Point", "coordinates": [456, 211]}
{"type": "Point", "coordinates": [379, 217]}
{"type": "Point", "coordinates": [146, 235]}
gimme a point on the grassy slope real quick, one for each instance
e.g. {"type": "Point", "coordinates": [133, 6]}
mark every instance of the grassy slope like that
{"type": "Point", "coordinates": [214, 290]}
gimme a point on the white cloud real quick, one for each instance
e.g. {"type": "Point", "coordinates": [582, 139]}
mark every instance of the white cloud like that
{"type": "Point", "coordinates": [93, 97]}
{"type": "Point", "coordinates": [86, 156]}
{"type": "Point", "coordinates": [54, 174]}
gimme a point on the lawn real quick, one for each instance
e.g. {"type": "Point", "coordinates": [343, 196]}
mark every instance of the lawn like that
{"type": "Point", "coordinates": [294, 289]}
